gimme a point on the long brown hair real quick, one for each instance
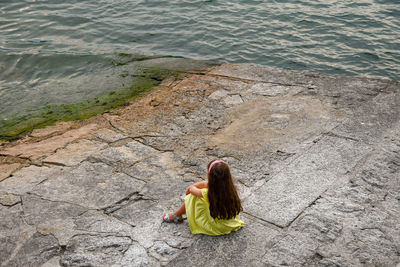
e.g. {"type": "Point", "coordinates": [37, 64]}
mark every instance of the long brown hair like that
{"type": "Point", "coordinates": [224, 200]}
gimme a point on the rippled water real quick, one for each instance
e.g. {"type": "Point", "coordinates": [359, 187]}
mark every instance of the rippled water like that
{"type": "Point", "coordinates": [52, 51]}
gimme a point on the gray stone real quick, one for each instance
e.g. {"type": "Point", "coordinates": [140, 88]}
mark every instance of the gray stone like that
{"type": "Point", "coordinates": [321, 228]}
{"type": "Point", "coordinates": [158, 167]}
{"type": "Point", "coordinates": [146, 216]}
{"type": "Point", "coordinates": [108, 135]}
{"type": "Point", "coordinates": [97, 222]}
{"type": "Point", "coordinates": [11, 218]}
{"type": "Point", "coordinates": [219, 94]}
{"type": "Point", "coordinates": [245, 247]}
{"type": "Point", "coordinates": [13, 231]}
{"type": "Point", "coordinates": [89, 250]}
{"type": "Point", "coordinates": [372, 119]}
{"type": "Point", "coordinates": [163, 252]}
{"type": "Point", "coordinates": [74, 153]}
{"type": "Point", "coordinates": [91, 185]}
{"type": "Point", "coordinates": [165, 189]}
{"type": "Point", "coordinates": [374, 247]}
{"type": "Point", "coordinates": [53, 262]}
{"type": "Point", "coordinates": [233, 100]}
{"type": "Point", "coordinates": [291, 250]}
{"type": "Point", "coordinates": [289, 192]}
{"type": "Point", "coordinates": [62, 229]}
{"type": "Point", "coordinates": [27, 178]}
{"type": "Point", "coordinates": [36, 251]}
{"type": "Point", "coordinates": [7, 199]}
{"type": "Point", "coordinates": [38, 210]}
{"type": "Point", "coordinates": [128, 154]}
{"type": "Point", "coordinates": [136, 256]}
{"type": "Point", "coordinates": [7, 246]}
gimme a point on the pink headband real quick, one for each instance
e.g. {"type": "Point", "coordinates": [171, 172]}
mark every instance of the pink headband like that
{"type": "Point", "coordinates": [213, 163]}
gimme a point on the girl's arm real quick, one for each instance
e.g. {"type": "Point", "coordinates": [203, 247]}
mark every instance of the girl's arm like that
{"type": "Point", "coordinates": [195, 189]}
{"type": "Point", "coordinates": [202, 184]}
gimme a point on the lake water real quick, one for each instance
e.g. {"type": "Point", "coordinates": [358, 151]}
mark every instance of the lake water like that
{"type": "Point", "coordinates": [54, 51]}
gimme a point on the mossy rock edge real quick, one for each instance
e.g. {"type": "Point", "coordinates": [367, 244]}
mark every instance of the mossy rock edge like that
{"type": "Point", "coordinates": [19, 126]}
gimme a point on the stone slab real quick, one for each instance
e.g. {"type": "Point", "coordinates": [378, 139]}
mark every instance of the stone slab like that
{"type": "Point", "coordinates": [271, 124]}
{"type": "Point", "coordinates": [27, 178]}
{"type": "Point", "coordinates": [7, 169]}
{"type": "Point", "coordinates": [50, 130]}
{"type": "Point", "coordinates": [98, 222]}
{"type": "Point", "coordinates": [7, 199]}
{"type": "Point", "coordinates": [288, 193]}
{"type": "Point", "coordinates": [245, 247]}
{"type": "Point", "coordinates": [47, 146]}
{"type": "Point", "coordinates": [108, 135]}
{"type": "Point", "coordinates": [35, 251]}
{"type": "Point", "coordinates": [92, 185]}
{"type": "Point", "coordinates": [372, 119]}
{"type": "Point", "coordinates": [38, 210]}
{"type": "Point", "coordinates": [128, 154]}
{"type": "Point", "coordinates": [136, 256]}
{"type": "Point", "coordinates": [90, 250]}
{"type": "Point", "coordinates": [75, 153]}
{"type": "Point", "coordinates": [145, 216]}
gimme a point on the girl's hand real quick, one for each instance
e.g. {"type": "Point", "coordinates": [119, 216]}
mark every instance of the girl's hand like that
{"type": "Point", "coordinates": [188, 190]}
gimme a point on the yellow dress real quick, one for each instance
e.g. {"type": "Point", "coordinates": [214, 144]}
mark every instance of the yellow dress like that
{"type": "Point", "coordinates": [200, 220]}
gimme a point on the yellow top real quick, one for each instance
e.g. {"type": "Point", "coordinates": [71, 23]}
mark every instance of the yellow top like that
{"type": "Point", "coordinates": [200, 220]}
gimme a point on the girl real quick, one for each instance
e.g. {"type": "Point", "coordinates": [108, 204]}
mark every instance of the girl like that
{"type": "Point", "coordinates": [212, 207]}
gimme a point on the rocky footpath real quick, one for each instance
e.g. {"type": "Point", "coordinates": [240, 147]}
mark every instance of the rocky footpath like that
{"type": "Point", "coordinates": [316, 159]}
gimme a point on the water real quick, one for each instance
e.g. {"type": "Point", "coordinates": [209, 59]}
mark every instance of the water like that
{"type": "Point", "coordinates": [54, 51]}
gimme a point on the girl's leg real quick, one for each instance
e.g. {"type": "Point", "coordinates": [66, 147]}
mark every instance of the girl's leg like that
{"type": "Point", "coordinates": [181, 210]}
{"type": "Point", "coordinates": [177, 213]}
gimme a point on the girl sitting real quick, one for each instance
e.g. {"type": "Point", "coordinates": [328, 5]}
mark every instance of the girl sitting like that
{"type": "Point", "coordinates": [212, 207]}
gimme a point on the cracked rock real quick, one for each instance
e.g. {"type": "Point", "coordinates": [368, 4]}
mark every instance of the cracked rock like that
{"type": "Point", "coordinates": [91, 250]}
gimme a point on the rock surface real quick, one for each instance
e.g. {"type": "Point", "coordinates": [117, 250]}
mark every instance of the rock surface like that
{"type": "Point", "coordinates": [316, 159]}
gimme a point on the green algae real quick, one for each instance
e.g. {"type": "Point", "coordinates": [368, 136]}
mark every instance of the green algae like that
{"type": "Point", "coordinates": [19, 126]}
